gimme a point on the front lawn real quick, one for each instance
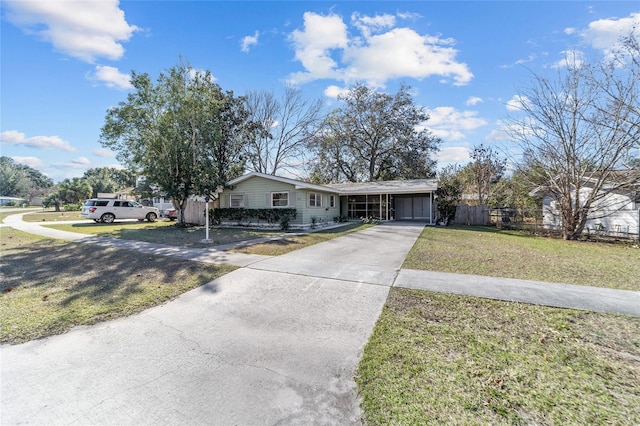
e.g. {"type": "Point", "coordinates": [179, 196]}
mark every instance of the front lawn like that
{"type": "Point", "coordinates": [447, 359]}
{"type": "Point", "coordinates": [512, 254]}
{"type": "Point", "coordinates": [165, 232]}
{"type": "Point", "coordinates": [49, 286]}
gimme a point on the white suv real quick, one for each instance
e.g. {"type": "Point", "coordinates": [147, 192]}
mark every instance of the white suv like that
{"type": "Point", "coordinates": [107, 210]}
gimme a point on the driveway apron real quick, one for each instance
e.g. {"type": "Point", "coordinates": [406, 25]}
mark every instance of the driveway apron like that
{"type": "Point", "coordinates": [276, 342]}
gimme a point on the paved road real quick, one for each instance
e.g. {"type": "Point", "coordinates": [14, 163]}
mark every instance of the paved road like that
{"type": "Point", "coordinates": [275, 342]}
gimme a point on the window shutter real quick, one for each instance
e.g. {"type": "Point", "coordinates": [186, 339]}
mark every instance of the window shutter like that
{"type": "Point", "coordinates": [245, 200]}
{"type": "Point", "coordinates": [267, 199]}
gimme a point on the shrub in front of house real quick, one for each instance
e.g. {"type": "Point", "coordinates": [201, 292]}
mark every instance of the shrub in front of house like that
{"type": "Point", "coordinates": [245, 217]}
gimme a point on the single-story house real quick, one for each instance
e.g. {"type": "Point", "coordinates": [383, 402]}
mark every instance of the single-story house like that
{"type": "Point", "coordinates": [12, 201]}
{"type": "Point", "coordinates": [384, 200]}
{"type": "Point", "coordinates": [615, 213]}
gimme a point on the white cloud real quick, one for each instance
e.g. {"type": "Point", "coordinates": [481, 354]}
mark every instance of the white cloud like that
{"type": "Point", "coordinates": [249, 41]}
{"type": "Point", "coordinates": [104, 153]}
{"type": "Point", "coordinates": [453, 154]}
{"type": "Point", "coordinates": [570, 59]}
{"type": "Point", "coordinates": [369, 24]}
{"type": "Point", "coordinates": [473, 100]}
{"type": "Point", "coordinates": [111, 77]}
{"type": "Point", "coordinates": [605, 34]}
{"type": "Point", "coordinates": [81, 161]}
{"type": "Point", "coordinates": [313, 46]}
{"type": "Point", "coordinates": [451, 124]}
{"type": "Point", "coordinates": [335, 91]}
{"type": "Point", "coordinates": [13, 137]}
{"type": "Point", "coordinates": [78, 163]}
{"type": "Point", "coordinates": [86, 30]}
{"type": "Point", "coordinates": [517, 102]}
{"type": "Point", "coordinates": [33, 162]}
{"type": "Point", "coordinates": [202, 73]}
{"type": "Point", "coordinates": [379, 54]}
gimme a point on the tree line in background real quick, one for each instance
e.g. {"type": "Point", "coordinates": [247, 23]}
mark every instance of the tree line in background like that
{"type": "Point", "coordinates": [29, 184]}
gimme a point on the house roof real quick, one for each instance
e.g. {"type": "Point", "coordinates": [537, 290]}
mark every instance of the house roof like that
{"type": "Point", "coordinates": [297, 183]}
{"type": "Point", "coordinates": [626, 179]}
{"type": "Point", "coordinates": [387, 187]}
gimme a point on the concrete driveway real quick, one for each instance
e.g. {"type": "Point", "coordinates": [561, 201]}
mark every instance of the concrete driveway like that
{"type": "Point", "coordinates": [276, 342]}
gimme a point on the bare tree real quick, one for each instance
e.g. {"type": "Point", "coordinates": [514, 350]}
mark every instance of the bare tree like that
{"type": "Point", "coordinates": [576, 131]}
{"type": "Point", "coordinates": [284, 128]}
{"type": "Point", "coordinates": [486, 169]}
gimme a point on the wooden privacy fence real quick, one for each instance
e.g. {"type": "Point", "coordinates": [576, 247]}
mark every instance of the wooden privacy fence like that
{"type": "Point", "coordinates": [194, 212]}
{"type": "Point", "coordinates": [472, 215]}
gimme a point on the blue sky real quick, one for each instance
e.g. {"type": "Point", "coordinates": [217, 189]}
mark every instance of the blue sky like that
{"type": "Point", "coordinates": [64, 63]}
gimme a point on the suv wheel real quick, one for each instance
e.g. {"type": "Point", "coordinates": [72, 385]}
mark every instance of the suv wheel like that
{"type": "Point", "coordinates": [107, 218]}
{"type": "Point", "coordinates": [151, 217]}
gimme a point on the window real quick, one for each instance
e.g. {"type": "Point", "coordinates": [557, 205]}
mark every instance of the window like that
{"type": "Point", "coordinates": [279, 199]}
{"type": "Point", "coordinates": [315, 199]}
{"type": "Point", "coordinates": [332, 200]}
{"type": "Point", "coordinates": [236, 200]}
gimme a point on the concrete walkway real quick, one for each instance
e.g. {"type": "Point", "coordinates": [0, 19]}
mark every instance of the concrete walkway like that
{"type": "Point", "coordinates": [275, 342]}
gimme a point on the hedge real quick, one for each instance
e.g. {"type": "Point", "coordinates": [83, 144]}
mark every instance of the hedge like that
{"type": "Point", "coordinates": [240, 215]}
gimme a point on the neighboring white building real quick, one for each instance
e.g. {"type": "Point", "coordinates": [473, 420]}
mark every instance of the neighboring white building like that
{"type": "Point", "coordinates": [616, 213]}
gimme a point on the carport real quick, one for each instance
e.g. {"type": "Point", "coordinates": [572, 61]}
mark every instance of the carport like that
{"type": "Point", "coordinates": [389, 200]}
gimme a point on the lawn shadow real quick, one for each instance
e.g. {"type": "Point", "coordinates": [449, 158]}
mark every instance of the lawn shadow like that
{"type": "Point", "coordinates": [96, 273]}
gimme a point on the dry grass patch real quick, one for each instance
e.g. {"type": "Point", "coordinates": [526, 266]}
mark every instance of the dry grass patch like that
{"type": "Point", "coordinates": [49, 286]}
{"type": "Point", "coordinates": [511, 254]}
{"type": "Point", "coordinates": [287, 244]}
{"type": "Point", "coordinates": [446, 359]}
{"type": "Point", "coordinates": [49, 216]}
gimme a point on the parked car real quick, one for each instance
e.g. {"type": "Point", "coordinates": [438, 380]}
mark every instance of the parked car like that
{"type": "Point", "coordinates": [172, 214]}
{"type": "Point", "coordinates": [106, 210]}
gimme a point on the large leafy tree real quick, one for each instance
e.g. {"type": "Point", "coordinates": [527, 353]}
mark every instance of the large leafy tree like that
{"type": "Point", "coordinates": [576, 131]}
{"type": "Point", "coordinates": [449, 192]}
{"type": "Point", "coordinates": [183, 133]}
{"type": "Point", "coordinates": [19, 180]}
{"type": "Point", "coordinates": [375, 136]}
{"type": "Point", "coordinates": [109, 179]}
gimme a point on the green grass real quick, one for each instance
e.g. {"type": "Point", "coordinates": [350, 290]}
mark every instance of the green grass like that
{"type": "Point", "coordinates": [296, 242]}
{"type": "Point", "coordinates": [165, 232]}
{"type": "Point", "coordinates": [512, 254]}
{"type": "Point", "coordinates": [51, 216]}
{"type": "Point", "coordinates": [49, 286]}
{"type": "Point", "coordinates": [4, 213]}
{"type": "Point", "coordinates": [446, 359]}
